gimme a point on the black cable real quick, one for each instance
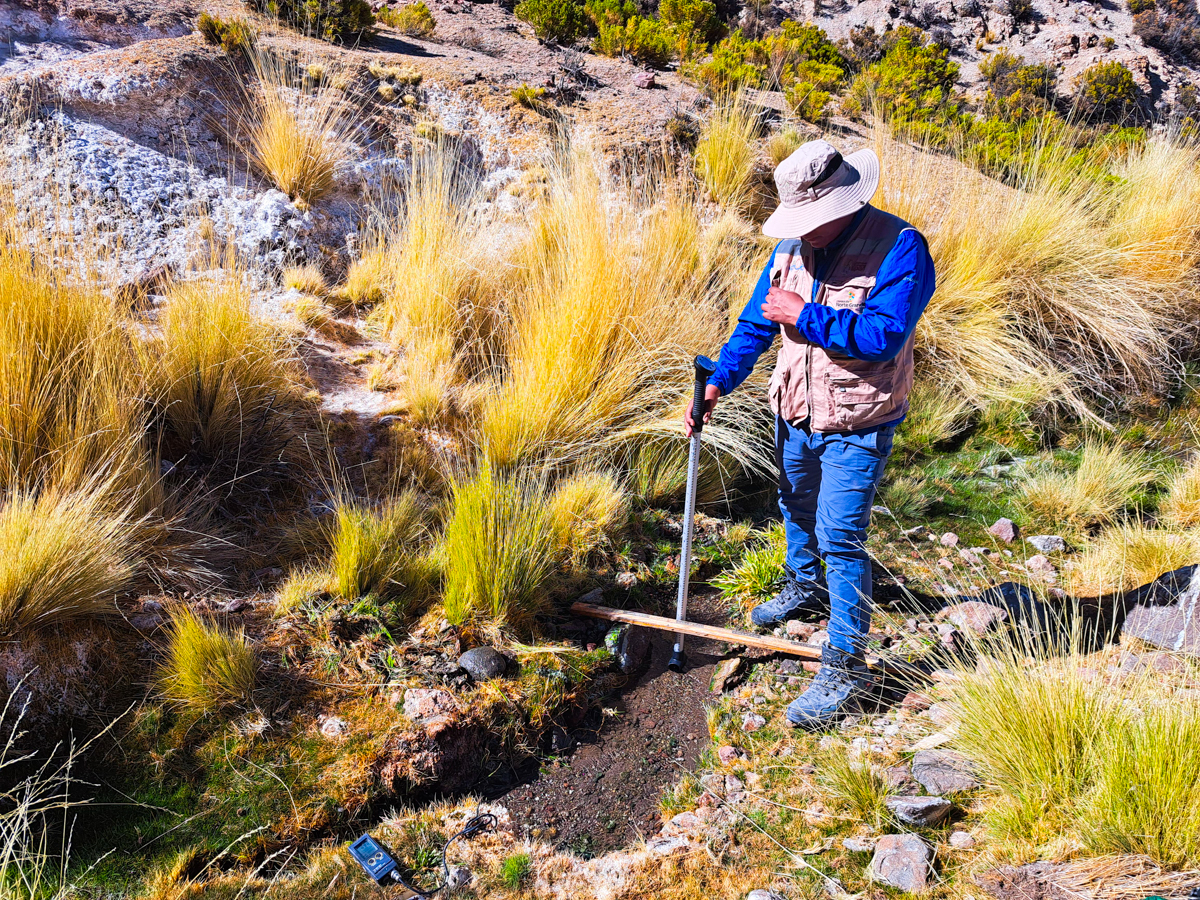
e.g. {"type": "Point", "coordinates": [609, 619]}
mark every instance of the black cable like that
{"type": "Point", "coordinates": [477, 824]}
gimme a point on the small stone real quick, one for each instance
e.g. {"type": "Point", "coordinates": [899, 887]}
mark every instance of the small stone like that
{"type": "Point", "coordinates": [644, 80]}
{"type": "Point", "coordinates": [1041, 566]}
{"type": "Point", "coordinates": [667, 846]}
{"type": "Point", "coordinates": [728, 755]}
{"type": "Point", "coordinates": [943, 772]}
{"type": "Point", "coordinates": [996, 471]}
{"type": "Point", "coordinates": [915, 702]}
{"type": "Point", "coordinates": [913, 532]}
{"type": "Point", "coordinates": [1047, 543]}
{"type": "Point", "coordinates": [333, 726]}
{"type": "Point", "coordinates": [483, 663]}
{"type": "Point", "coordinates": [686, 821]}
{"type": "Point", "coordinates": [974, 616]}
{"type": "Point", "coordinates": [752, 722]}
{"type": "Point", "coordinates": [858, 845]}
{"type": "Point", "coordinates": [920, 811]}
{"type": "Point", "coordinates": [970, 557]}
{"type": "Point", "coordinates": [733, 784]}
{"type": "Point", "coordinates": [811, 667]}
{"type": "Point", "coordinates": [725, 674]}
{"type": "Point", "coordinates": [801, 630]}
{"type": "Point", "coordinates": [880, 510]}
{"type": "Point", "coordinates": [237, 604]}
{"type": "Point", "coordinates": [626, 580]}
{"type": "Point", "coordinates": [902, 861]}
{"type": "Point", "coordinates": [818, 638]}
{"type": "Point", "coordinates": [949, 539]}
{"type": "Point", "coordinates": [947, 564]}
{"type": "Point", "coordinates": [422, 704]}
{"type": "Point", "coordinates": [760, 894]}
{"type": "Point", "coordinates": [459, 878]}
{"type": "Point", "coordinates": [1005, 529]}
{"type": "Point", "coordinates": [962, 840]}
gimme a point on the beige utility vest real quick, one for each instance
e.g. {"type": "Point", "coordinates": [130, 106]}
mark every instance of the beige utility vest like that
{"type": "Point", "coordinates": [836, 392]}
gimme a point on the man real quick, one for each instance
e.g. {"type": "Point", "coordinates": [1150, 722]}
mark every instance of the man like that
{"type": "Point", "coordinates": [844, 290]}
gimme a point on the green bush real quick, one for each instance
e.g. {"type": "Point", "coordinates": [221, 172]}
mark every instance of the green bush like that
{"type": "Point", "coordinates": [1172, 26]}
{"type": "Point", "coordinates": [332, 20]}
{"type": "Point", "coordinates": [913, 82]}
{"type": "Point", "coordinates": [779, 60]}
{"type": "Point", "coordinates": [610, 12]}
{"type": "Point", "coordinates": [647, 42]}
{"type": "Point", "coordinates": [1108, 93]}
{"type": "Point", "coordinates": [1137, 6]}
{"type": "Point", "coordinates": [1017, 90]}
{"type": "Point", "coordinates": [1020, 10]}
{"type": "Point", "coordinates": [555, 21]}
{"type": "Point", "coordinates": [412, 19]}
{"type": "Point", "coordinates": [732, 66]}
{"type": "Point", "coordinates": [695, 22]}
{"type": "Point", "coordinates": [812, 90]}
{"type": "Point", "coordinates": [230, 35]}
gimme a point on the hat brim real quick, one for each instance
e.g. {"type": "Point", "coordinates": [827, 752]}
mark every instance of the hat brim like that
{"type": "Point", "coordinates": [845, 200]}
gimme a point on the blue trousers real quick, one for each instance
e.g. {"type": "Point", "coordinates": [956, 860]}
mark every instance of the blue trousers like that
{"type": "Point", "coordinates": [827, 485]}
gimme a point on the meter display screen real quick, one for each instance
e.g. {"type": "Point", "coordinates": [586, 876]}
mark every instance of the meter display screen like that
{"type": "Point", "coordinates": [375, 860]}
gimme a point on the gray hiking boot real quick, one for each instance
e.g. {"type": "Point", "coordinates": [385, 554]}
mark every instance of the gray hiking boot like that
{"type": "Point", "coordinates": [793, 602]}
{"type": "Point", "coordinates": [839, 690]}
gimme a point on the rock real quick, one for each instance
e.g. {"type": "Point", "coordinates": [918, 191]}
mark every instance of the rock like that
{"type": "Point", "coordinates": [1167, 613]}
{"type": "Point", "coordinates": [914, 531]}
{"type": "Point", "coordinates": [728, 755]}
{"type": "Point", "coordinates": [459, 878]}
{"type": "Point", "coordinates": [424, 704]}
{"type": "Point", "coordinates": [970, 557]}
{"type": "Point", "coordinates": [626, 580]}
{"type": "Point", "coordinates": [760, 894]}
{"type": "Point", "coordinates": [899, 780]}
{"type": "Point", "coordinates": [973, 616]}
{"type": "Point", "coordinates": [801, 630]}
{"type": "Point", "coordinates": [996, 472]}
{"type": "Point", "coordinates": [644, 80]}
{"type": "Point", "coordinates": [237, 604]}
{"type": "Point", "coordinates": [1005, 529]}
{"type": "Point", "coordinates": [1041, 566]}
{"type": "Point", "coordinates": [880, 511]}
{"type": "Point", "coordinates": [962, 840]}
{"type": "Point", "coordinates": [902, 861]}
{"type": "Point", "coordinates": [630, 645]}
{"type": "Point", "coordinates": [818, 638]}
{"type": "Point", "coordinates": [920, 811]}
{"type": "Point", "coordinates": [725, 674]}
{"type": "Point", "coordinates": [333, 726]}
{"type": "Point", "coordinates": [943, 772]}
{"type": "Point", "coordinates": [1163, 663]}
{"type": "Point", "coordinates": [686, 821]}
{"type": "Point", "coordinates": [947, 564]}
{"type": "Point", "coordinates": [667, 846]}
{"type": "Point", "coordinates": [733, 784]}
{"type": "Point", "coordinates": [949, 539]}
{"type": "Point", "coordinates": [858, 845]}
{"type": "Point", "coordinates": [153, 281]}
{"type": "Point", "coordinates": [752, 722]}
{"type": "Point", "coordinates": [1047, 543]}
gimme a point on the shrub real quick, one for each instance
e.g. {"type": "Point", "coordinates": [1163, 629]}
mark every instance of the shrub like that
{"type": "Point", "coordinates": [500, 548]}
{"type": "Point", "coordinates": [377, 553]}
{"type": "Point", "coordinates": [412, 19]}
{"type": "Point", "coordinates": [694, 21]}
{"type": "Point", "coordinates": [864, 47]}
{"type": "Point", "coordinates": [333, 20]}
{"type": "Point", "coordinates": [1105, 482]}
{"type": "Point", "coordinates": [610, 12]}
{"type": "Point", "coordinates": [1172, 27]}
{"type": "Point", "coordinates": [231, 35]}
{"type": "Point", "coordinates": [779, 59]}
{"type": "Point", "coordinates": [1108, 92]}
{"type": "Point", "coordinates": [1138, 6]}
{"type": "Point", "coordinates": [732, 66]}
{"type": "Point", "coordinates": [913, 82]}
{"type": "Point", "coordinates": [555, 21]}
{"type": "Point", "coordinates": [1020, 10]}
{"type": "Point", "coordinates": [63, 556]}
{"type": "Point", "coordinates": [296, 138]}
{"type": "Point", "coordinates": [811, 92]}
{"type": "Point", "coordinates": [529, 97]}
{"type": "Point", "coordinates": [645, 41]}
{"type": "Point", "coordinates": [726, 154]}
{"type": "Point", "coordinates": [206, 667]}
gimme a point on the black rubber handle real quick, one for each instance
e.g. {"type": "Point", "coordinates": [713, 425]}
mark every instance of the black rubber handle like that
{"type": "Point", "coordinates": [704, 370]}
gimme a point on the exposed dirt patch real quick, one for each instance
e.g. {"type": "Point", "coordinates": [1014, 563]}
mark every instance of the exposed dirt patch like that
{"type": "Point", "coordinates": [606, 793]}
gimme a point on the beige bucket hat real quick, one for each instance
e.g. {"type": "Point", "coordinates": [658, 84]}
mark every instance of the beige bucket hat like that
{"type": "Point", "coordinates": [816, 185]}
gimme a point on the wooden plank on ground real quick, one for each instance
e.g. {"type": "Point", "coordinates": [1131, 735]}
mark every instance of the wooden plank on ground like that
{"type": "Point", "coordinates": [713, 633]}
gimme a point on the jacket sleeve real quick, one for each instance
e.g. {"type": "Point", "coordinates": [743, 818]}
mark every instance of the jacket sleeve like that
{"type": "Point", "coordinates": [902, 290]}
{"type": "Point", "coordinates": [750, 339]}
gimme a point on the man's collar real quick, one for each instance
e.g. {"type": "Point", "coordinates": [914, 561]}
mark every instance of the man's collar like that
{"type": "Point", "coordinates": [851, 227]}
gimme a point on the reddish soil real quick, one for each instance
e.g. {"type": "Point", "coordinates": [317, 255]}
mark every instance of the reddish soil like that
{"type": "Point", "coordinates": [606, 792]}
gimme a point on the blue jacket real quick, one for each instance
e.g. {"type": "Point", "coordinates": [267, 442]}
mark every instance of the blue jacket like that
{"type": "Point", "coordinates": [903, 286]}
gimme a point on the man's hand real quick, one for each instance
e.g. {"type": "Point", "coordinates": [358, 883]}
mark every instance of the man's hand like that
{"type": "Point", "coordinates": [711, 394]}
{"type": "Point", "coordinates": [782, 306]}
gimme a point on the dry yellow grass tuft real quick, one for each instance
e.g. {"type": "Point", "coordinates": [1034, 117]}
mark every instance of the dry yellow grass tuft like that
{"type": "Point", "coordinates": [308, 279]}
{"type": "Point", "coordinates": [294, 130]}
{"type": "Point", "coordinates": [590, 510]}
{"type": "Point", "coordinates": [206, 667]}
{"type": "Point", "coordinates": [1180, 508]}
{"type": "Point", "coordinates": [1131, 554]}
{"type": "Point", "coordinates": [1104, 483]}
{"type": "Point", "coordinates": [727, 153]}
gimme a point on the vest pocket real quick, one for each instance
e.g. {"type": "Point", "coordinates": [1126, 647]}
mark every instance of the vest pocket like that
{"type": "Point", "coordinates": [855, 401]}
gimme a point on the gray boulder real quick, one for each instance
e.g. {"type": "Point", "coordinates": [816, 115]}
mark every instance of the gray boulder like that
{"type": "Point", "coordinates": [902, 861]}
{"type": "Point", "coordinates": [943, 772]}
{"type": "Point", "coordinates": [1047, 543]}
{"type": "Point", "coordinates": [923, 812]}
{"type": "Point", "coordinates": [483, 663]}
